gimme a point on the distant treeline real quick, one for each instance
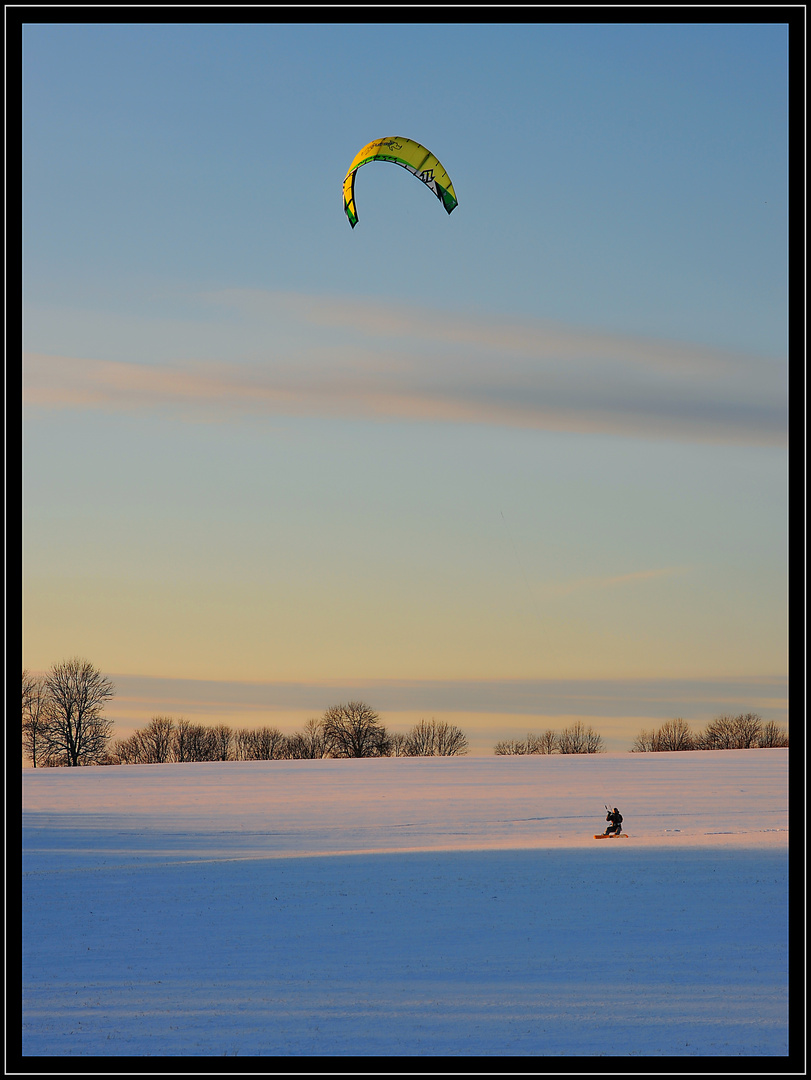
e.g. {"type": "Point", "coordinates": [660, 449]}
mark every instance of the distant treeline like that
{"type": "Point", "coordinates": [575, 739]}
{"type": "Point", "coordinates": [63, 724]}
{"type": "Point", "coordinates": [744, 732]}
{"type": "Point", "coordinates": [352, 730]}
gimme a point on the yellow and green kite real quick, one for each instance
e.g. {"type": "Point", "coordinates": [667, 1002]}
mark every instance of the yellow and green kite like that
{"type": "Point", "coordinates": [412, 156]}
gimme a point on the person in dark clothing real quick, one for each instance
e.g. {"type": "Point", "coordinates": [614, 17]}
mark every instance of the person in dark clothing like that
{"type": "Point", "coordinates": [615, 817]}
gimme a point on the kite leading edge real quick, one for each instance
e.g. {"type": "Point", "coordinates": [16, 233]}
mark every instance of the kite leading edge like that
{"type": "Point", "coordinates": [410, 155]}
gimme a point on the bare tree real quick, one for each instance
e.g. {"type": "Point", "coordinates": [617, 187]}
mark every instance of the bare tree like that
{"type": "Point", "coordinates": [270, 743]}
{"type": "Point", "coordinates": [419, 741]}
{"type": "Point", "coordinates": [128, 751]}
{"type": "Point", "coordinates": [449, 740]}
{"type": "Point", "coordinates": [164, 740]}
{"type": "Point", "coordinates": [546, 742]}
{"type": "Point", "coordinates": [741, 732]}
{"type": "Point", "coordinates": [354, 730]}
{"type": "Point", "coordinates": [675, 735]}
{"type": "Point", "coordinates": [309, 743]}
{"type": "Point", "coordinates": [642, 742]}
{"type": "Point", "coordinates": [156, 741]}
{"type": "Point", "coordinates": [719, 734]}
{"type": "Point", "coordinates": [259, 744]}
{"type": "Point", "coordinates": [221, 743]}
{"type": "Point", "coordinates": [398, 744]}
{"type": "Point", "coordinates": [594, 742]}
{"type": "Point", "coordinates": [772, 735]}
{"type": "Point", "coordinates": [572, 739]}
{"type": "Point", "coordinates": [435, 738]}
{"type": "Point", "coordinates": [723, 733]}
{"type": "Point", "coordinates": [182, 743]}
{"type": "Point", "coordinates": [244, 744]}
{"type": "Point", "coordinates": [193, 742]}
{"type": "Point", "coordinates": [77, 732]}
{"type": "Point", "coordinates": [747, 727]}
{"type": "Point", "coordinates": [35, 718]}
{"type": "Point", "coordinates": [579, 739]}
{"type": "Point", "coordinates": [206, 743]}
{"type": "Point", "coordinates": [510, 747]}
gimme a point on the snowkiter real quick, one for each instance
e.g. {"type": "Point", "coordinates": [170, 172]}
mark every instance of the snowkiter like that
{"type": "Point", "coordinates": [615, 817]}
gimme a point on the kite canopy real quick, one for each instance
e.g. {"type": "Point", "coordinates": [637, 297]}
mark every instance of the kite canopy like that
{"type": "Point", "coordinates": [412, 156]}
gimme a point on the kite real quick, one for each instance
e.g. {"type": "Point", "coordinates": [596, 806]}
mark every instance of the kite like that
{"type": "Point", "coordinates": [412, 156]}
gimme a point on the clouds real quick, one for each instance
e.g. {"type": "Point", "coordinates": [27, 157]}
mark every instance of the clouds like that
{"type": "Point", "coordinates": [616, 580]}
{"type": "Point", "coordinates": [523, 697]}
{"type": "Point", "coordinates": [486, 709]}
{"type": "Point", "coordinates": [271, 353]}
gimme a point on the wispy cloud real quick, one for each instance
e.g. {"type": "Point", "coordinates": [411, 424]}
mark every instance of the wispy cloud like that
{"type": "Point", "coordinates": [537, 338]}
{"type": "Point", "coordinates": [375, 360]}
{"type": "Point", "coordinates": [615, 581]}
{"type": "Point", "coordinates": [603, 697]}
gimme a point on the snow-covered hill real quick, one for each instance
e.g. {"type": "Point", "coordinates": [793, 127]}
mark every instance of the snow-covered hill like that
{"type": "Point", "coordinates": [408, 906]}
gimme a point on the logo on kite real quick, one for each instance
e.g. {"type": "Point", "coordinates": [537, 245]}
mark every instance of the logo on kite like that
{"type": "Point", "coordinates": [410, 155]}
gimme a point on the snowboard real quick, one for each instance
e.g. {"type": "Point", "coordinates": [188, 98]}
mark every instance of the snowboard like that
{"type": "Point", "coordinates": [610, 836]}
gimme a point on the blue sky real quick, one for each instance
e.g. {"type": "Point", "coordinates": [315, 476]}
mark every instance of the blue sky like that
{"type": "Point", "coordinates": [542, 438]}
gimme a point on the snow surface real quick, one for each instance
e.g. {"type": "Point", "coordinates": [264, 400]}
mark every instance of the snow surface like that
{"type": "Point", "coordinates": [408, 906]}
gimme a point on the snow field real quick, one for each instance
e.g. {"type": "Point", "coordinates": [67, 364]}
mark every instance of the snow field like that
{"type": "Point", "coordinates": [415, 907]}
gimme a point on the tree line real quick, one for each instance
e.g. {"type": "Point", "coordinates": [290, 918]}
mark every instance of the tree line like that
{"type": "Point", "coordinates": [743, 732]}
{"type": "Point", "coordinates": [351, 730]}
{"type": "Point", "coordinates": [63, 724]}
{"type": "Point", "coordinates": [578, 738]}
